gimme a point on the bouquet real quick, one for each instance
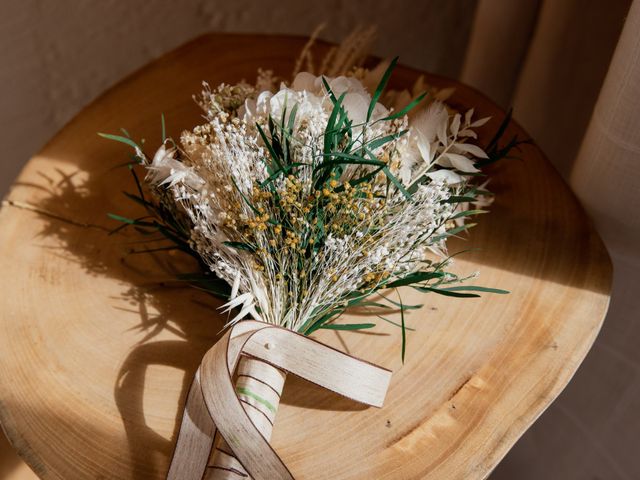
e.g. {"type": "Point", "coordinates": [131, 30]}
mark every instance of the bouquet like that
{"type": "Point", "coordinates": [301, 200]}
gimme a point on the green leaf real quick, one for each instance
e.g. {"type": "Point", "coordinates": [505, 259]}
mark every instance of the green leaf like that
{"type": "Point", "coordinates": [288, 132]}
{"type": "Point", "coordinates": [330, 138]}
{"type": "Point", "coordinates": [396, 182]}
{"type": "Point", "coordinates": [321, 232]}
{"type": "Point", "coordinates": [244, 197]}
{"type": "Point", "coordinates": [379, 142]}
{"type": "Point", "coordinates": [348, 326]}
{"type": "Point", "coordinates": [364, 178]}
{"type": "Point", "coordinates": [171, 235]}
{"type": "Point", "coordinates": [454, 231]}
{"type": "Point", "coordinates": [129, 221]}
{"type": "Point", "coordinates": [292, 117]}
{"type": "Point", "coordinates": [408, 108]}
{"type": "Point", "coordinates": [348, 159]}
{"type": "Point", "coordinates": [121, 227]}
{"type": "Point", "coordinates": [404, 330]}
{"type": "Point", "coordinates": [468, 213]}
{"type": "Point", "coordinates": [459, 199]}
{"type": "Point", "coordinates": [473, 288]}
{"type": "Point", "coordinates": [138, 185]}
{"type": "Point", "coordinates": [119, 138]}
{"type": "Point", "coordinates": [312, 324]}
{"type": "Point", "coordinates": [404, 305]}
{"type": "Point", "coordinates": [501, 129]}
{"type": "Point", "coordinates": [329, 91]}
{"type": "Point", "coordinates": [381, 86]}
{"type": "Point", "coordinates": [414, 277]}
{"type": "Point", "coordinates": [461, 228]}
{"type": "Point", "coordinates": [207, 282]}
{"type": "Point", "coordinates": [446, 293]}
{"type": "Point", "coordinates": [388, 173]}
{"type": "Point", "coordinates": [494, 151]}
{"type": "Point", "coordinates": [269, 146]}
{"type": "Point", "coordinates": [139, 200]}
{"type": "Point", "coordinates": [358, 303]}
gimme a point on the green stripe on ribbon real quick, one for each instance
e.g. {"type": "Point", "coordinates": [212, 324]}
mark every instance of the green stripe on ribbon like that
{"type": "Point", "coordinates": [257, 398]}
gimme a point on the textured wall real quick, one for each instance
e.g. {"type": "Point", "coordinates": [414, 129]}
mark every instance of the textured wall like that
{"type": "Point", "coordinates": [57, 56]}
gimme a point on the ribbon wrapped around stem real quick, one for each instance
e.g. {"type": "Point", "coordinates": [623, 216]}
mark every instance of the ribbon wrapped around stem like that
{"type": "Point", "coordinates": [213, 403]}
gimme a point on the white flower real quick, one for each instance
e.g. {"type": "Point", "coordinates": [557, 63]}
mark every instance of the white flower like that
{"type": "Point", "coordinates": [356, 100]}
{"type": "Point", "coordinates": [165, 170]}
{"type": "Point", "coordinates": [429, 125]}
{"type": "Point", "coordinates": [445, 176]}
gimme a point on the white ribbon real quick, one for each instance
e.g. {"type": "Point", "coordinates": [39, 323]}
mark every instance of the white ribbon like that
{"type": "Point", "coordinates": [212, 403]}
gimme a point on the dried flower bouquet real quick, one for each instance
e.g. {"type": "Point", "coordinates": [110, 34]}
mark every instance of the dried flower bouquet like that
{"type": "Point", "coordinates": [307, 198]}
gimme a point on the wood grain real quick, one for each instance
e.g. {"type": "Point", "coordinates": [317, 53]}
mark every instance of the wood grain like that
{"type": "Point", "coordinates": [97, 354]}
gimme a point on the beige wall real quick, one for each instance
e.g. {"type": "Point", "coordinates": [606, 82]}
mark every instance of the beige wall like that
{"type": "Point", "coordinates": [56, 56]}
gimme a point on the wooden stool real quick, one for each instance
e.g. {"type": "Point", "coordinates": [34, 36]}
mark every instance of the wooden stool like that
{"type": "Point", "coordinates": [96, 354]}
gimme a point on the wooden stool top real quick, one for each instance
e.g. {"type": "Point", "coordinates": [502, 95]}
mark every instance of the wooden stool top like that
{"type": "Point", "coordinates": [96, 356]}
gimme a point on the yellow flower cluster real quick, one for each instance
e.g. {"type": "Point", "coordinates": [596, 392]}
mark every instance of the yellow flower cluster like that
{"type": "Point", "coordinates": [374, 278]}
{"type": "Point", "coordinates": [289, 220]}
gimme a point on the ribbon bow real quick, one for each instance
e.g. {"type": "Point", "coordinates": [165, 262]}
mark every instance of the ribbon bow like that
{"type": "Point", "coordinates": [212, 403]}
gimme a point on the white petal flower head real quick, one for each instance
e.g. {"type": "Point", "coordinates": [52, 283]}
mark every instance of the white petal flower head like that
{"type": "Point", "coordinates": [305, 81]}
{"type": "Point", "coordinates": [429, 124]}
{"type": "Point", "coordinates": [445, 176]}
{"type": "Point", "coordinates": [165, 170]}
{"type": "Point", "coordinates": [357, 98]}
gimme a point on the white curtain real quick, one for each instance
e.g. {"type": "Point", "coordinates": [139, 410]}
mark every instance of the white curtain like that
{"type": "Point", "coordinates": [593, 429]}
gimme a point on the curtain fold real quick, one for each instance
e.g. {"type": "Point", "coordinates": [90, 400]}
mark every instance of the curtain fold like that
{"type": "Point", "coordinates": [547, 59]}
{"type": "Point", "coordinates": [498, 45]}
{"type": "Point", "coordinates": [592, 430]}
{"type": "Point", "coordinates": [562, 75]}
{"type": "Point", "coordinates": [606, 176]}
